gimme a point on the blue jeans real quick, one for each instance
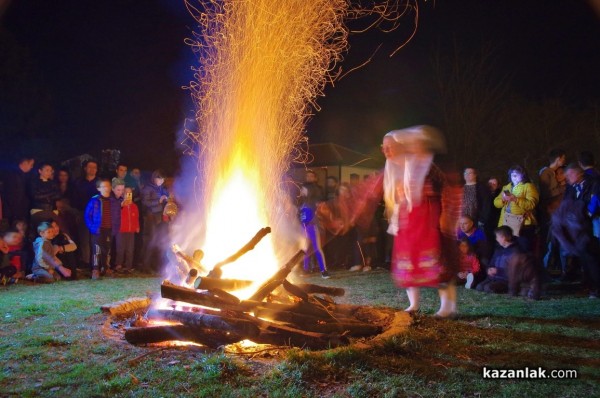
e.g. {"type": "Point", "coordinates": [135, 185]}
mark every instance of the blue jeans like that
{"type": "Point", "coordinates": [312, 233]}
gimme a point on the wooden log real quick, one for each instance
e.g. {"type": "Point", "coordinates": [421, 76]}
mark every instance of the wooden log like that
{"type": "Point", "coordinates": [266, 288]}
{"type": "Point", "coordinates": [158, 334]}
{"type": "Point", "coordinates": [331, 291]}
{"type": "Point", "coordinates": [126, 306]}
{"type": "Point", "coordinates": [295, 290]}
{"type": "Point", "coordinates": [223, 295]}
{"type": "Point", "coordinates": [242, 327]}
{"type": "Point", "coordinates": [206, 283]}
{"type": "Point", "coordinates": [287, 336]}
{"type": "Point", "coordinates": [178, 293]}
{"type": "Point", "coordinates": [216, 271]}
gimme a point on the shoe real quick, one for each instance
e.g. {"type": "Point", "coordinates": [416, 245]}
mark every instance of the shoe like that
{"type": "Point", "coordinates": [95, 275]}
{"type": "Point", "coordinates": [30, 277]}
{"type": "Point", "coordinates": [470, 279]}
{"type": "Point", "coordinates": [325, 275]}
{"type": "Point", "coordinates": [119, 269]}
{"type": "Point", "coordinates": [356, 268]}
{"type": "Point", "coordinates": [593, 296]}
{"type": "Point", "coordinates": [108, 272]}
{"type": "Point", "coordinates": [366, 268]}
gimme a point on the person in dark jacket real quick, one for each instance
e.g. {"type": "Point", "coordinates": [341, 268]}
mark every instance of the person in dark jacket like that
{"type": "Point", "coordinates": [44, 193]}
{"type": "Point", "coordinates": [572, 225]}
{"type": "Point", "coordinates": [476, 202]}
{"type": "Point", "coordinates": [509, 268]}
{"type": "Point", "coordinates": [103, 219]}
{"type": "Point", "coordinates": [84, 188]}
{"type": "Point", "coordinates": [154, 199]}
{"type": "Point", "coordinates": [15, 199]}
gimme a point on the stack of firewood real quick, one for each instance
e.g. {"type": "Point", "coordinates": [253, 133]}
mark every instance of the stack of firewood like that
{"type": "Point", "coordinates": [279, 313]}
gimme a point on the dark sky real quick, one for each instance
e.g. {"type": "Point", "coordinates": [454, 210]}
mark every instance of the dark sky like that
{"type": "Point", "coordinates": [108, 74]}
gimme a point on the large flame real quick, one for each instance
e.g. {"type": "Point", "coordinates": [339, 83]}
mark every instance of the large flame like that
{"type": "Point", "coordinates": [262, 63]}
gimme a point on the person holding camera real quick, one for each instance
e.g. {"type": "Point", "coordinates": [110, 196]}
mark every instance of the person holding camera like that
{"type": "Point", "coordinates": [518, 201]}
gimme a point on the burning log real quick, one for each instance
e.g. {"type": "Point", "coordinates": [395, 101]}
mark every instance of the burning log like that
{"type": "Point", "coordinates": [207, 283]}
{"type": "Point", "coordinates": [159, 334]}
{"type": "Point", "coordinates": [241, 327]}
{"type": "Point", "coordinates": [266, 288]}
{"type": "Point", "coordinates": [216, 271]}
{"type": "Point", "coordinates": [295, 290]}
{"type": "Point", "coordinates": [223, 295]}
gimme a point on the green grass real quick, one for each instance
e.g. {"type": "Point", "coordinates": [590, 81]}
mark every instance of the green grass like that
{"type": "Point", "coordinates": [52, 344]}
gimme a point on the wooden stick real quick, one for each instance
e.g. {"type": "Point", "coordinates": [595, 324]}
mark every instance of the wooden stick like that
{"type": "Point", "coordinates": [206, 283]}
{"type": "Point", "coordinates": [216, 271]}
{"type": "Point", "coordinates": [266, 288]}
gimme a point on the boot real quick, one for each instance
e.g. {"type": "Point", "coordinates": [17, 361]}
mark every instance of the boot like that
{"type": "Point", "coordinates": [414, 294]}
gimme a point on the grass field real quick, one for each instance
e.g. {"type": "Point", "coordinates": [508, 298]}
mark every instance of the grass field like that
{"type": "Point", "coordinates": [52, 344]}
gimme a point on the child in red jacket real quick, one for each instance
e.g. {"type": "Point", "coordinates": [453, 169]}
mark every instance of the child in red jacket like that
{"type": "Point", "coordinates": [130, 225]}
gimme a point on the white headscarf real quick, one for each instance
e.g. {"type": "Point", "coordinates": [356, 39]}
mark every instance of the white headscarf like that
{"type": "Point", "coordinates": [404, 175]}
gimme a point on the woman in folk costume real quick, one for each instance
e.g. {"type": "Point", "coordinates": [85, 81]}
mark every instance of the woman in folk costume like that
{"type": "Point", "coordinates": [423, 210]}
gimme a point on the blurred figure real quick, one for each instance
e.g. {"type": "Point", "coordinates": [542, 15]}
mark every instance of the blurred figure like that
{"type": "Point", "coordinates": [331, 187]}
{"type": "Point", "coordinates": [494, 190]}
{"type": "Point", "coordinates": [121, 171]}
{"type": "Point", "coordinates": [65, 185]}
{"type": "Point", "coordinates": [572, 225]}
{"type": "Point", "coordinates": [44, 193]}
{"type": "Point", "coordinates": [413, 188]}
{"type": "Point", "coordinates": [130, 226]}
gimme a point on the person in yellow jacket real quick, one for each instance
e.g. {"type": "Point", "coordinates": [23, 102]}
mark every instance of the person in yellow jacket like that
{"type": "Point", "coordinates": [520, 197]}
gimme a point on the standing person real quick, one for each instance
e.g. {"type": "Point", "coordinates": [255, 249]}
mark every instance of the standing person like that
{"type": "Point", "coordinates": [311, 194]}
{"type": "Point", "coordinates": [121, 171]}
{"type": "Point", "coordinates": [84, 188]}
{"type": "Point", "coordinates": [331, 187]}
{"type": "Point", "coordinates": [475, 202]}
{"type": "Point", "coordinates": [44, 194]}
{"type": "Point", "coordinates": [413, 195]}
{"type": "Point", "coordinates": [65, 185]}
{"type": "Point", "coordinates": [134, 181]}
{"type": "Point", "coordinates": [130, 226]}
{"type": "Point", "coordinates": [154, 198]}
{"type": "Point", "coordinates": [102, 217]}
{"type": "Point", "coordinates": [518, 201]}
{"type": "Point", "coordinates": [572, 225]}
{"type": "Point", "coordinates": [552, 190]}
{"type": "Point", "coordinates": [15, 201]}
{"type": "Point", "coordinates": [588, 164]}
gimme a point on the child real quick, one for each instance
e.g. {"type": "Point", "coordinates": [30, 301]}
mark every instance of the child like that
{"type": "Point", "coordinates": [17, 257]}
{"type": "Point", "coordinates": [46, 266]}
{"type": "Point", "coordinates": [65, 247]}
{"type": "Point", "coordinates": [509, 267]}
{"type": "Point", "coordinates": [130, 225]}
{"type": "Point", "coordinates": [103, 218]}
{"type": "Point", "coordinates": [7, 270]}
{"type": "Point", "coordinates": [469, 264]}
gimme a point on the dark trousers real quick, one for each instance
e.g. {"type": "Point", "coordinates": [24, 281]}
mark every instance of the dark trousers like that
{"type": "Point", "coordinates": [125, 245]}
{"type": "Point", "coordinates": [101, 244]}
{"type": "Point", "coordinates": [493, 285]}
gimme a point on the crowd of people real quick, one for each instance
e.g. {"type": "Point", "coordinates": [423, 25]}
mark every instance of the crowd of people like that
{"type": "Point", "coordinates": [53, 225]}
{"type": "Point", "coordinates": [431, 228]}
{"type": "Point", "coordinates": [438, 232]}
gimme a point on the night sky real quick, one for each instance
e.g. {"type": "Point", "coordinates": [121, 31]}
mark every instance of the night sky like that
{"type": "Point", "coordinates": [79, 76]}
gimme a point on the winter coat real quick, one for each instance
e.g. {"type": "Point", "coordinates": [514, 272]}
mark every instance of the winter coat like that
{"type": "Point", "coordinates": [44, 194]}
{"type": "Point", "coordinates": [130, 218]}
{"type": "Point", "coordinates": [527, 199]}
{"type": "Point", "coordinates": [93, 215]}
{"type": "Point", "coordinates": [151, 199]}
